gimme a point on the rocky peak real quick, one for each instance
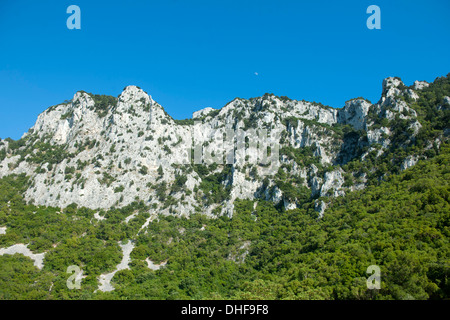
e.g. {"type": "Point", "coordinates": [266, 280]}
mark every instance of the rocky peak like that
{"type": "Point", "coordinates": [354, 113]}
{"type": "Point", "coordinates": [391, 87]}
{"type": "Point", "coordinates": [82, 99]}
{"type": "Point", "coordinates": [419, 85]}
{"type": "Point", "coordinates": [133, 94]}
{"type": "Point", "coordinates": [202, 113]}
{"type": "Point", "coordinates": [390, 103]}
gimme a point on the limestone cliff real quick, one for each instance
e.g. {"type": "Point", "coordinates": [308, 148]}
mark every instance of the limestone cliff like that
{"type": "Point", "coordinates": [100, 151]}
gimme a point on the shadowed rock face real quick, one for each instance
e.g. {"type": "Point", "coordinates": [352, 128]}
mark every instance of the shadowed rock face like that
{"type": "Point", "coordinates": [99, 152]}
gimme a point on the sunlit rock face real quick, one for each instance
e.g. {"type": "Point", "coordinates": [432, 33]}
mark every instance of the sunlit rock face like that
{"type": "Point", "coordinates": [102, 152]}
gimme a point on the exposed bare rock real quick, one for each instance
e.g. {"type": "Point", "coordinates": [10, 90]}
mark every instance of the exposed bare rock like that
{"type": "Point", "coordinates": [101, 152]}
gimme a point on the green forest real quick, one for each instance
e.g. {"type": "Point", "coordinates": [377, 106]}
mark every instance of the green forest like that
{"type": "Point", "coordinates": [401, 224]}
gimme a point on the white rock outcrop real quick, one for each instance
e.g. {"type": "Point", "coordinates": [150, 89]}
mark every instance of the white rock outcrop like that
{"type": "Point", "coordinates": [419, 85]}
{"type": "Point", "coordinates": [38, 258]}
{"type": "Point", "coordinates": [409, 162]}
{"type": "Point", "coordinates": [202, 112]}
{"type": "Point", "coordinates": [332, 184]}
{"type": "Point", "coordinates": [354, 113]}
{"type": "Point", "coordinates": [101, 152]}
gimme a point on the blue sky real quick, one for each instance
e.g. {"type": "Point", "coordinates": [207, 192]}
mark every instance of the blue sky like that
{"type": "Point", "coordinates": [190, 55]}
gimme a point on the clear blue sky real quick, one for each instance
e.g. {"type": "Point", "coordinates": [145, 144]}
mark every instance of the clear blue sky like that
{"type": "Point", "coordinates": [194, 54]}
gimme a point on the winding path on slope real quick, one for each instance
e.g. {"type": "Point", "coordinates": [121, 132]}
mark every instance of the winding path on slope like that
{"type": "Point", "coordinates": [20, 248]}
{"type": "Point", "coordinates": [105, 279]}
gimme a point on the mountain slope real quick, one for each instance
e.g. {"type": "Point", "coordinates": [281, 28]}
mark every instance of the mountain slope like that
{"type": "Point", "coordinates": [100, 183]}
{"type": "Point", "coordinates": [103, 152]}
{"type": "Point", "coordinates": [401, 225]}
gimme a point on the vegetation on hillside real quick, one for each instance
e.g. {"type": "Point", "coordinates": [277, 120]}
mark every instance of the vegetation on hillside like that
{"type": "Point", "coordinates": [402, 225]}
{"type": "Point", "coordinates": [399, 222]}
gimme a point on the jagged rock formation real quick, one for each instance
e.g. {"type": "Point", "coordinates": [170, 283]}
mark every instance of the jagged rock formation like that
{"type": "Point", "coordinates": [100, 151]}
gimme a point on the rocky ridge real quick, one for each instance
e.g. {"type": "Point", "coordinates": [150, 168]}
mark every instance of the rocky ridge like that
{"type": "Point", "coordinates": [102, 152]}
